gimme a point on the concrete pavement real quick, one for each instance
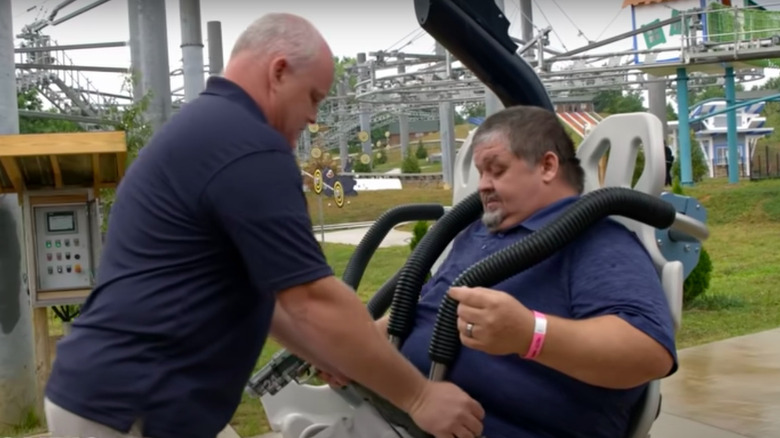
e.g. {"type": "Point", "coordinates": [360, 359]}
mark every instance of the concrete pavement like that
{"type": "Point", "coordinates": [355, 235]}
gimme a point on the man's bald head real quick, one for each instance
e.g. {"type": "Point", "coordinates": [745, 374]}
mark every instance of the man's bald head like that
{"type": "Point", "coordinates": [281, 34]}
{"type": "Point", "coordinates": [283, 62]}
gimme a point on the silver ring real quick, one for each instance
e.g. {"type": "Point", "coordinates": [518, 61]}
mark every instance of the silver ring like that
{"type": "Point", "coordinates": [469, 328]}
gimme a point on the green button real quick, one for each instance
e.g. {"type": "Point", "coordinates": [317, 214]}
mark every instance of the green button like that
{"type": "Point", "coordinates": [48, 244]}
{"type": "Point", "coordinates": [57, 243]}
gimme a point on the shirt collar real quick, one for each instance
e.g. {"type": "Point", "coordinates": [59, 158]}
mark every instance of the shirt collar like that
{"type": "Point", "coordinates": [222, 87]}
{"type": "Point", "coordinates": [538, 219]}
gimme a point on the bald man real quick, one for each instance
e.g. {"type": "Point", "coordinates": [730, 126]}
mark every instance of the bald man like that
{"type": "Point", "coordinates": [209, 250]}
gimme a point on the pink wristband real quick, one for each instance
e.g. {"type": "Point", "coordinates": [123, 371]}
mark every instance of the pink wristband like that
{"type": "Point", "coordinates": [540, 330]}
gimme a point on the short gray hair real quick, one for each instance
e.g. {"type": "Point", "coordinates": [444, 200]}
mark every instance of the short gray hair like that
{"type": "Point", "coordinates": [530, 132]}
{"type": "Point", "coordinates": [280, 34]}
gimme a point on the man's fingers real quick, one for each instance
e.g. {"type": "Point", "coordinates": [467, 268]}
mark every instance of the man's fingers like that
{"type": "Point", "coordinates": [478, 411]}
{"type": "Point", "coordinates": [474, 425]}
{"type": "Point", "coordinates": [463, 432]}
{"type": "Point", "coordinates": [470, 314]}
{"type": "Point", "coordinates": [472, 297]}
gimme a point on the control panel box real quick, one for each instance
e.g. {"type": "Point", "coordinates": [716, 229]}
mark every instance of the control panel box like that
{"type": "Point", "coordinates": [63, 250]}
{"type": "Point", "coordinates": [64, 241]}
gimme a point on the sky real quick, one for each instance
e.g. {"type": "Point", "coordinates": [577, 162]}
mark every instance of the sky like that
{"type": "Point", "coordinates": [350, 26]}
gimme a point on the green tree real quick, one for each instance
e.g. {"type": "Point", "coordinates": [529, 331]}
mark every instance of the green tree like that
{"type": "Point", "coordinates": [344, 68]}
{"type": "Point", "coordinates": [410, 164]}
{"type": "Point", "coordinates": [699, 166]}
{"type": "Point", "coordinates": [615, 102]}
{"type": "Point", "coordinates": [421, 153]}
{"type": "Point", "coordinates": [472, 109]}
{"type": "Point", "coordinates": [30, 100]}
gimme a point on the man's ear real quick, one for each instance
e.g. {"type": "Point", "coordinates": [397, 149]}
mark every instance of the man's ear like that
{"type": "Point", "coordinates": [549, 166]}
{"type": "Point", "coordinates": [277, 69]}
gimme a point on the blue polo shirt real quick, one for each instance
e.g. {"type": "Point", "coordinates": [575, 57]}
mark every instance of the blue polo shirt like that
{"type": "Point", "coordinates": [209, 223]}
{"type": "Point", "coordinates": [605, 271]}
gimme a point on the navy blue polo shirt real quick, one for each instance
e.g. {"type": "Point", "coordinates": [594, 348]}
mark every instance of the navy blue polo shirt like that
{"type": "Point", "coordinates": [209, 223]}
{"type": "Point", "coordinates": [605, 271]}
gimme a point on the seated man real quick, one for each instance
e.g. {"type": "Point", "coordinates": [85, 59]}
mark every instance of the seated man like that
{"type": "Point", "coordinates": [609, 329]}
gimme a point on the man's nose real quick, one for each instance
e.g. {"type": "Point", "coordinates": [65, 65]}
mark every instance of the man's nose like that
{"type": "Point", "coordinates": [485, 184]}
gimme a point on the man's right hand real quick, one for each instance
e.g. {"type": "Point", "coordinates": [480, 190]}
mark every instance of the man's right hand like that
{"type": "Point", "coordinates": [446, 411]}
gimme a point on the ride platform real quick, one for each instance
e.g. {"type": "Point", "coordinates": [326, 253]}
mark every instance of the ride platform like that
{"type": "Point", "coordinates": [724, 389]}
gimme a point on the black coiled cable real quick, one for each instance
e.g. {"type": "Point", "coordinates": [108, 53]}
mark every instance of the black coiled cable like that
{"type": "Point", "coordinates": [541, 244]}
{"type": "Point", "coordinates": [412, 275]}
{"type": "Point", "coordinates": [356, 266]}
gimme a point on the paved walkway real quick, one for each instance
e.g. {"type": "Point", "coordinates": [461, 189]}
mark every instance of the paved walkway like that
{"type": "Point", "coordinates": [355, 235]}
{"type": "Point", "coordinates": [728, 389]}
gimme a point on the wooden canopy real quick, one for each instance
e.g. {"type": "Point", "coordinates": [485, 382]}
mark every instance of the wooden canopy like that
{"type": "Point", "coordinates": [61, 160]}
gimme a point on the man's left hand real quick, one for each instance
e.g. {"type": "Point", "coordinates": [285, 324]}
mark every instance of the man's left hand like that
{"type": "Point", "coordinates": [499, 323]}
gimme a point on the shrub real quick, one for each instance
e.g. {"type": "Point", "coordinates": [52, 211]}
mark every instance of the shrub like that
{"type": "Point", "coordinates": [420, 228]}
{"type": "Point", "coordinates": [410, 165]}
{"type": "Point", "coordinates": [359, 167]}
{"type": "Point", "coordinates": [698, 281]}
{"type": "Point", "coordinates": [421, 152]}
{"type": "Point", "coordinates": [699, 167]}
{"type": "Point", "coordinates": [380, 156]}
{"type": "Point", "coordinates": [419, 231]}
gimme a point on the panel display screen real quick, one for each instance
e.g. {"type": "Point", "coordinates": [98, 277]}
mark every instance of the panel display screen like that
{"type": "Point", "coordinates": [60, 222]}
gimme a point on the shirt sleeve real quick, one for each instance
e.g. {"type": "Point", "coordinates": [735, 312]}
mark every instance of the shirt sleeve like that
{"type": "Point", "coordinates": [612, 274]}
{"type": "Point", "coordinates": [258, 202]}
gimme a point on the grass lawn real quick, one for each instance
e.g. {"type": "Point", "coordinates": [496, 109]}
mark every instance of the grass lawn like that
{"type": "Point", "coordinates": [744, 221]}
{"type": "Point", "coordinates": [368, 206]}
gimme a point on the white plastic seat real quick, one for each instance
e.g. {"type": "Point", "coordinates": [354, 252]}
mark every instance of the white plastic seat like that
{"type": "Point", "coordinates": [624, 135]}
{"type": "Point", "coordinates": [298, 411]}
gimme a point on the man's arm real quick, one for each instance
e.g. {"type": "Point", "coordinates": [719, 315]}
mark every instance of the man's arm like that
{"type": "Point", "coordinates": [622, 333]}
{"type": "Point", "coordinates": [328, 318]}
{"type": "Point", "coordinates": [604, 351]}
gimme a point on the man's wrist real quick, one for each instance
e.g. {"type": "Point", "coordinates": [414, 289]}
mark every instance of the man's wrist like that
{"type": "Point", "coordinates": [536, 339]}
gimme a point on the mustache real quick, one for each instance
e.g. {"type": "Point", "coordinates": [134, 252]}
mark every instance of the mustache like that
{"type": "Point", "coordinates": [489, 197]}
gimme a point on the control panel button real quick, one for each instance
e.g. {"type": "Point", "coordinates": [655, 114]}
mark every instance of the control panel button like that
{"type": "Point", "coordinates": [76, 241]}
{"type": "Point", "coordinates": [49, 256]}
{"type": "Point", "coordinates": [59, 256]}
{"type": "Point", "coordinates": [48, 244]}
{"type": "Point", "coordinates": [68, 269]}
{"type": "Point", "coordinates": [59, 269]}
{"type": "Point", "coordinates": [57, 243]}
{"type": "Point", "coordinates": [67, 242]}
{"type": "Point", "coordinates": [67, 256]}
{"type": "Point", "coordinates": [51, 270]}
{"type": "Point", "coordinates": [77, 256]}
{"type": "Point", "coordinates": [77, 268]}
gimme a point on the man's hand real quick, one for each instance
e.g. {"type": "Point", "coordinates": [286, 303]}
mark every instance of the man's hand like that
{"type": "Point", "coordinates": [499, 323]}
{"type": "Point", "coordinates": [333, 379]}
{"type": "Point", "coordinates": [445, 411]}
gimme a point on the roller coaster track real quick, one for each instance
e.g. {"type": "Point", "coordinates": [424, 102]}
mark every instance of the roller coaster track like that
{"type": "Point", "coordinates": [49, 70]}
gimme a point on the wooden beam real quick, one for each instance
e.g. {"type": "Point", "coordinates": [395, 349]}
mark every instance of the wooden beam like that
{"type": "Point", "coordinates": [13, 172]}
{"type": "Point", "coordinates": [58, 199]}
{"type": "Point", "coordinates": [43, 354]}
{"type": "Point", "coordinates": [55, 168]}
{"type": "Point", "coordinates": [70, 143]}
{"type": "Point", "coordinates": [121, 163]}
{"type": "Point", "coordinates": [96, 180]}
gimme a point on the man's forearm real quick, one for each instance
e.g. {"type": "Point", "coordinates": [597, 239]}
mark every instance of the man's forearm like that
{"type": "Point", "coordinates": [338, 330]}
{"type": "Point", "coordinates": [604, 351]}
{"type": "Point", "coordinates": [282, 330]}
